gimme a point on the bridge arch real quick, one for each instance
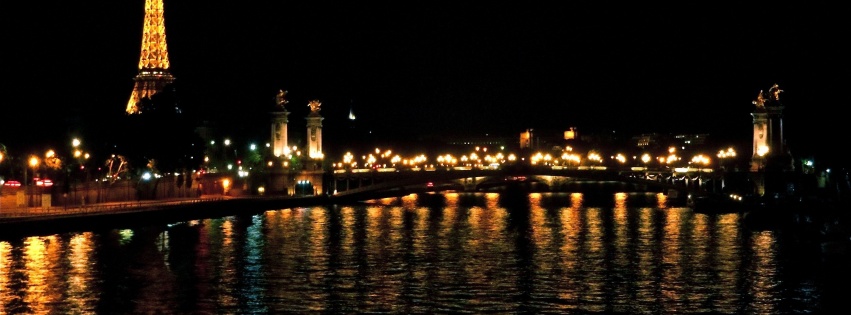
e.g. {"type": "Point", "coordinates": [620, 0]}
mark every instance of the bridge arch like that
{"type": "Point", "coordinates": [399, 182]}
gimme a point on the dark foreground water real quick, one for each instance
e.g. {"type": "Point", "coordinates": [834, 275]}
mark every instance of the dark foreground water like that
{"type": "Point", "coordinates": [473, 253]}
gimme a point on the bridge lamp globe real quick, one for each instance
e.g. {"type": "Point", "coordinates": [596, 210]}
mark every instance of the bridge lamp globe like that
{"type": "Point", "coordinates": [33, 161]}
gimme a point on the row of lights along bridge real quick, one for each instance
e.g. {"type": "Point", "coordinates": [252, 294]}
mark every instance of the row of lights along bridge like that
{"type": "Point", "coordinates": [478, 157]}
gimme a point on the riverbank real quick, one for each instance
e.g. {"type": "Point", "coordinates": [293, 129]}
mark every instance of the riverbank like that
{"type": "Point", "coordinates": [20, 222]}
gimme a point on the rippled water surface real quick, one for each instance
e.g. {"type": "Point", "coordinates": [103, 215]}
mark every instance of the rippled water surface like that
{"type": "Point", "coordinates": [432, 253]}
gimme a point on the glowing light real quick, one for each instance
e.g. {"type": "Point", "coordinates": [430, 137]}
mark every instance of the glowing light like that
{"type": "Point", "coordinates": [727, 154]}
{"type": "Point", "coordinates": [153, 60]}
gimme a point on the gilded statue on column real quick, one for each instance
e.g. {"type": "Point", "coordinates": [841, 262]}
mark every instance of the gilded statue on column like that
{"type": "Point", "coordinates": [314, 105]}
{"type": "Point", "coordinates": [280, 99]}
{"type": "Point", "coordinates": [773, 96]}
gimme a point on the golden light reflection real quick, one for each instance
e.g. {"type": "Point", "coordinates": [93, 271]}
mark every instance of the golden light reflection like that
{"type": "Point", "coordinates": [647, 267]}
{"type": "Point", "coordinates": [662, 200]}
{"type": "Point", "coordinates": [227, 232]}
{"type": "Point", "coordinates": [727, 258]}
{"type": "Point", "coordinates": [39, 263]}
{"type": "Point", "coordinates": [620, 200]}
{"type": "Point", "coordinates": [537, 216]}
{"type": "Point", "coordinates": [449, 216]}
{"type": "Point", "coordinates": [319, 236]}
{"type": "Point", "coordinates": [620, 213]}
{"type": "Point", "coordinates": [347, 233]}
{"type": "Point", "coordinates": [576, 200]}
{"type": "Point", "coordinates": [226, 260]}
{"type": "Point", "coordinates": [594, 250]}
{"type": "Point", "coordinates": [698, 248]}
{"type": "Point", "coordinates": [451, 200]}
{"type": "Point", "coordinates": [373, 214]}
{"type": "Point", "coordinates": [764, 284]}
{"type": "Point", "coordinates": [410, 201]}
{"type": "Point", "coordinates": [485, 246]}
{"type": "Point", "coordinates": [492, 200]}
{"type": "Point", "coordinates": [572, 226]}
{"type": "Point", "coordinates": [672, 273]}
{"type": "Point", "coordinates": [385, 201]}
{"type": "Point", "coordinates": [5, 274]}
{"type": "Point", "coordinates": [384, 235]}
{"type": "Point", "coordinates": [474, 217]}
{"type": "Point", "coordinates": [80, 273]}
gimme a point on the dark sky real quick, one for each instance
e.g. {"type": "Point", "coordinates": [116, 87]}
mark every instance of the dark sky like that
{"type": "Point", "coordinates": [417, 68]}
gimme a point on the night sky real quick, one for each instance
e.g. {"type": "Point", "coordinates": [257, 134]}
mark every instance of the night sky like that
{"type": "Point", "coordinates": [413, 69]}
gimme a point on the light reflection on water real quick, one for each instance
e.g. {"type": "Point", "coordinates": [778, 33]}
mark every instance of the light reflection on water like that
{"type": "Point", "coordinates": [432, 253]}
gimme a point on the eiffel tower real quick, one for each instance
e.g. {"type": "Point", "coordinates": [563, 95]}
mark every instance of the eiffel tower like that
{"type": "Point", "coordinates": [153, 75]}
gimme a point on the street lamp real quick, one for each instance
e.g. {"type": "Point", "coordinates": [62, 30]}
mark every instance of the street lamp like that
{"type": "Point", "coordinates": [33, 161]}
{"type": "Point", "coordinates": [697, 160]}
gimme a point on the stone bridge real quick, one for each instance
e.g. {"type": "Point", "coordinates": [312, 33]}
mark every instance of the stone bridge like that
{"type": "Point", "coordinates": [374, 183]}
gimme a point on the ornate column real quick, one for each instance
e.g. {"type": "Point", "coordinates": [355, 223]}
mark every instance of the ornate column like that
{"type": "Point", "coordinates": [279, 125]}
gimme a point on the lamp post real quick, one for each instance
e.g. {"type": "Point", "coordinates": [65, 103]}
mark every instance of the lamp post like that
{"type": "Point", "coordinates": [33, 161]}
{"type": "Point", "coordinates": [75, 145]}
{"type": "Point", "coordinates": [723, 155]}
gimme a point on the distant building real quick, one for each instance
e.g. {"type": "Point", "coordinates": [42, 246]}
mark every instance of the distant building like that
{"type": "Point", "coordinates": [651, 140]}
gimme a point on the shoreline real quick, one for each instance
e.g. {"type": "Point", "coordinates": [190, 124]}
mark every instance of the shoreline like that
{"type": "Point", "coordinates": [40, 222]}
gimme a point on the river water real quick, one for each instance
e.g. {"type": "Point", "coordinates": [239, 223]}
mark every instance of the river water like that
{"type": "Point", "coordinates": [563, 253]}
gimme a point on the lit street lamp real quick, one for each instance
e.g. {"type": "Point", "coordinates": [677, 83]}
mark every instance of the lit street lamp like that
{"type": "Point", "coordinates": [33, 161]}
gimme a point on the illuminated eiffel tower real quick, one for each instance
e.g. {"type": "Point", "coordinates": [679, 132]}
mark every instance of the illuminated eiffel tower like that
{"type": "Point", "coordinates": [153, 75]}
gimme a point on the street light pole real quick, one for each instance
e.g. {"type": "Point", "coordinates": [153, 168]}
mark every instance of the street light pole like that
{"type": "Point", "coordinates": [34, 163]}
